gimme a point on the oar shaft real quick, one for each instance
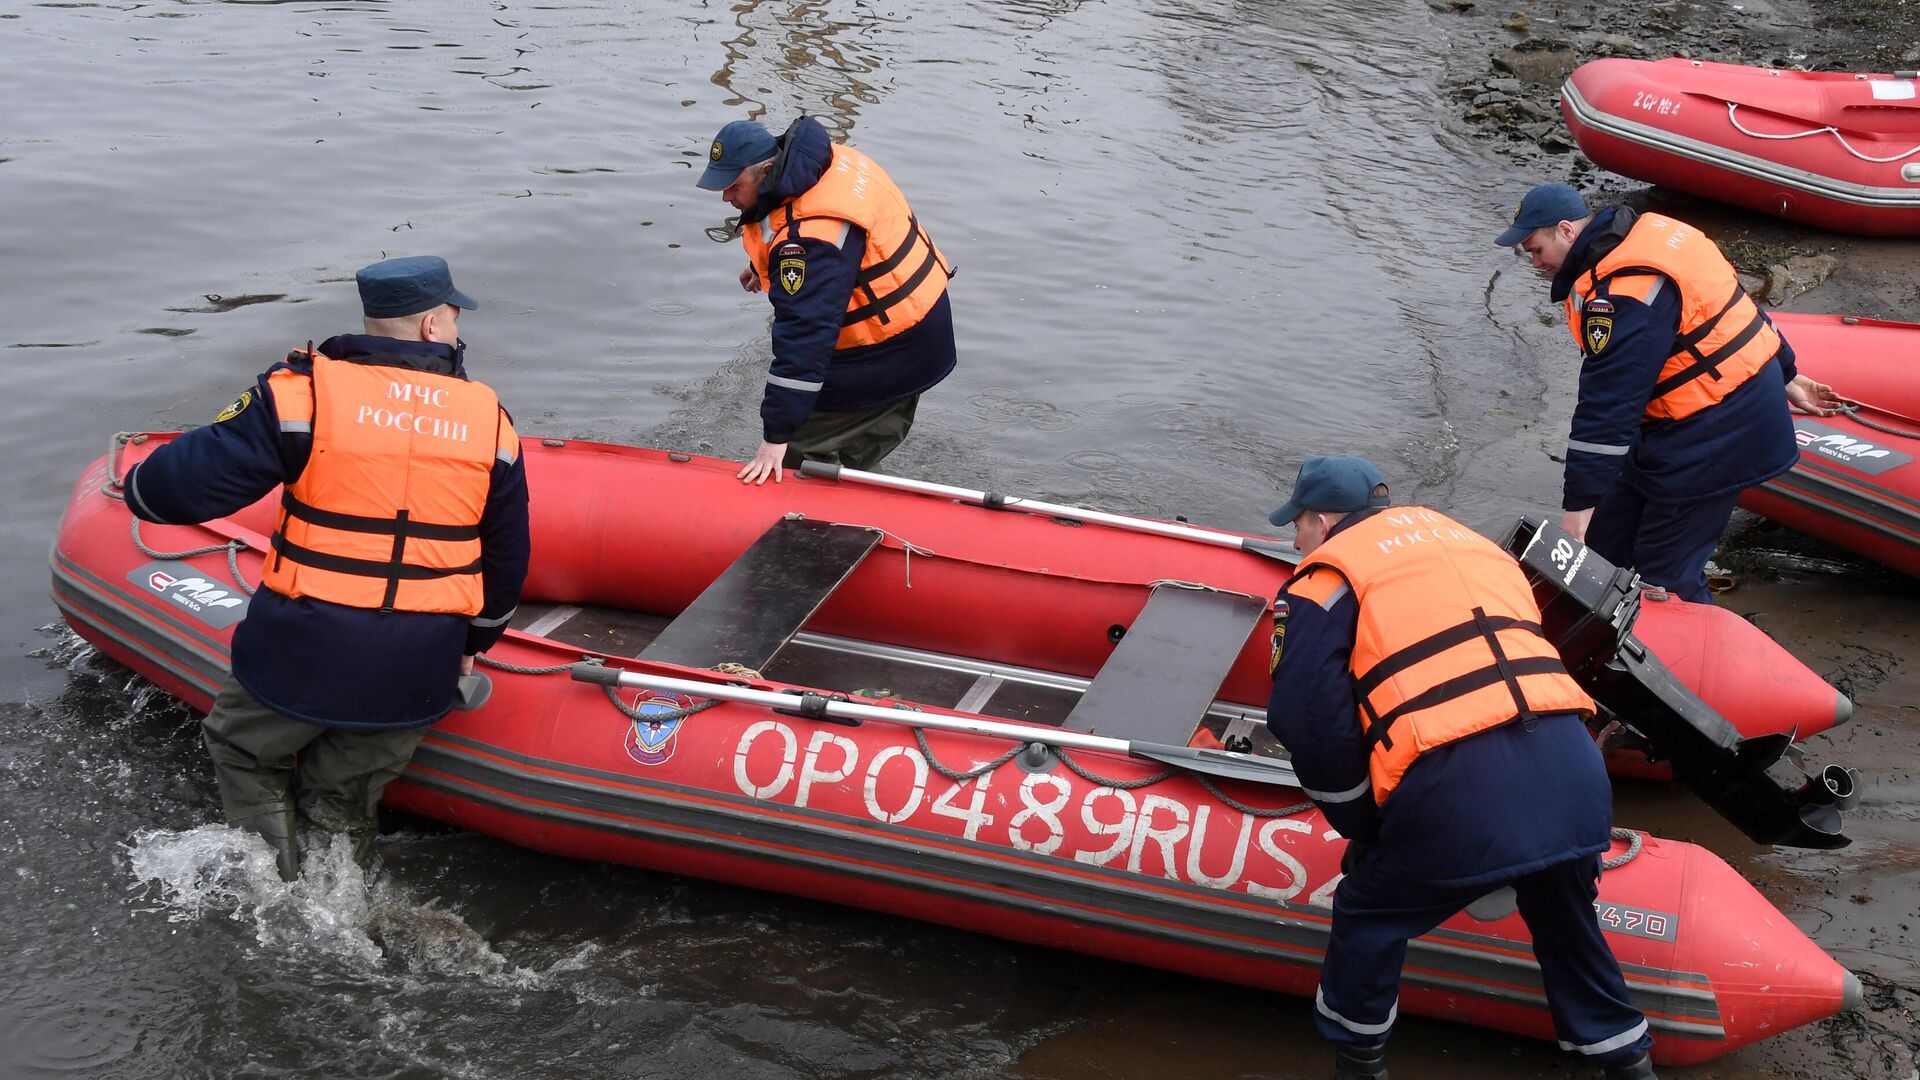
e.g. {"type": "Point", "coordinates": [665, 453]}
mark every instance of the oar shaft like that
{"type": "Point", "coordinates": [851, 710]}
{"type": "Point", "coordinates": [1232, 765]}
{"type": "Point", "coordinates": [1034, 506]}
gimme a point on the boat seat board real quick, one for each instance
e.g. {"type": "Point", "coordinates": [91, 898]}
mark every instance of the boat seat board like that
{"type": "Point", "coordinates": [1162, 677]}
{"type": "Point", "coordinates": [753, 609]}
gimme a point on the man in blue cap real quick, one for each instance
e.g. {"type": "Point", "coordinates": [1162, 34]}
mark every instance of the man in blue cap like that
{"type": "Point", "coordinates": [399, 553]}
{"type": "Point", "coordinates": [861, 322]}
{"type": "Point", "coordinates": [1684, 383]}
{"type": "Point", "coordinates": [1438, 731]}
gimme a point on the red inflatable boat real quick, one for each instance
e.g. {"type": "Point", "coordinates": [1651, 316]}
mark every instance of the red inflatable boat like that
{"type": "Point", "coordinates": [1856, 484]}
{"type": "Point", "coordinates": [1054, 667]}
{"type": "Point", "coordinates": [1837, 150]}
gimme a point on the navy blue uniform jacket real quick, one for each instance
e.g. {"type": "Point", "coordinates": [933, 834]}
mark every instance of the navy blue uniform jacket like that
{"type": "Point", "coordinates": [807, 323]}
{"type": "Point", "coordinates": [1484, 809]}
{"type": "Point", "coordinates": [1744, 439]}
{"type": "Point", "coordinates": [324, 663]}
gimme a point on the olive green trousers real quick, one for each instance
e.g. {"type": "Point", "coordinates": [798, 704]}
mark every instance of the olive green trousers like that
{"type": "Point", "coordinates": [857, 440]}
{"type": "Point", "coordinates": [272, 767]}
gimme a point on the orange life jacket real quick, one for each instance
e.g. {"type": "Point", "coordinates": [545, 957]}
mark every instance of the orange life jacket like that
{"type": "Point", "coordinates": [387, 512]}
{"type": "Point", "coordinates": [1449, 641]}
{"type": "Point", "coordinates": [1723, 338]}
{"type": "Point", "coordinates": [902, 274]}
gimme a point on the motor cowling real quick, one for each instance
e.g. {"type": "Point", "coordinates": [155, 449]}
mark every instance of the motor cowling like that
{"type": "Point", "coordinates": [1588, 609]}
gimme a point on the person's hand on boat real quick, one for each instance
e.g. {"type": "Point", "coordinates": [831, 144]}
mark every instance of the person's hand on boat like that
{"type": "Point", "coordinates": [1813, 397]}
{"type": "Point", "coordinates": [765, 463]}
{"type": "Point", "coordinates": [750, 279]}
{"type": "Point", "coordinates": [1574, 523]}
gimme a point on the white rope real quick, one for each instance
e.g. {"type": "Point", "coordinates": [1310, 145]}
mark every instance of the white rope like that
{"type": "Point", "coordinates": [907, 546]}
{"type": "Point", "coordinates": [1828, 130]}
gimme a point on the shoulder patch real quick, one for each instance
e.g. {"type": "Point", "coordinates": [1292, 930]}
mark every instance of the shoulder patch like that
{"type": "Point", "coordinates": [1599, 305]}
{"type": "Point", "coordinates": [791, 247]}
{"type": "Point", "coordinates": [239, 406]}
{"type": "Point", "coordinates": [791, 272]}
{"type": "Point", "coordinates": [1597, 330]}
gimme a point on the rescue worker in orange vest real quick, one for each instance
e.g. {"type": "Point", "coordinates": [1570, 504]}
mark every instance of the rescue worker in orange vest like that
{"type": "Point", "coordinates": [861, 322]}
{"type": "Point", "coordinates": [1684, 384]}
{"type": "Point", "coordinates": [398, 555]}
{"type": "Point", "coordinates": [1437, 730]}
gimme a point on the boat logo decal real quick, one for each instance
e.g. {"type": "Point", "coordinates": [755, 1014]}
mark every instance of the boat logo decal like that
{"type": "Point", "coordinates": [650, 739]}
{"type": "Point", "coordinates": [1837, 445]}
{"type": "Point", "coordinates": [215, 603]}
{"type": "Point", "coordinates": [1636, 922]}
{"type": "Point", "coordinates": [239, 406]}
{"type": "Point", "coordinates": [1599, 331]}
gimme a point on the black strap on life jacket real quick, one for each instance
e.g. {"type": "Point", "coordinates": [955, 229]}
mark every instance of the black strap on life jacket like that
{"type": "Point", "coordinates": [876, 306]}
{"type": "Point", "coordinates": [395, 570]}
{"type": "Point", "coordinates": [1707, 364]}
{"type": "Point", "coordinates": [1482, 626]}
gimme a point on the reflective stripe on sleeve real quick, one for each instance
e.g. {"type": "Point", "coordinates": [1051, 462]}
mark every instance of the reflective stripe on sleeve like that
{"type": "Point", "coordinates": [1607, 1046]}
{"type": "Point", "coordinates": [503, 455]}
{"type": "Point", "coordinates": [1320, 1003]}
{"type": "Point", "coordinates": [1597, 448]}
{"type": "Point", "coordinates": [1334, 596]}
{"type": "Point", "coordinates": [488, 624]}
{"type": "Point", "coordinates": [795, 384]}
{"type": "Point", "coordinates": [133, 494]}
{"type": "Point", "coordinates": [1348, 795]}
{"type": "Point", "coordinates": [296, 425]}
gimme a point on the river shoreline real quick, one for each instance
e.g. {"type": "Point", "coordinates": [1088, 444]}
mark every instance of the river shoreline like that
{"type": "Point", "coordinates": [1855, 623]}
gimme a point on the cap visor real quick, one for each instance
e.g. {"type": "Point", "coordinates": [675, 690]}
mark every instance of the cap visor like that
{"type": "Point", "coordinates": [1286, 514]}
{"type": "Point", "coordinates": [462, 300]}
{"type": "Point", "coordinates": [716, 178]}
{"type": "Point", "coordinates": [1512, 236]}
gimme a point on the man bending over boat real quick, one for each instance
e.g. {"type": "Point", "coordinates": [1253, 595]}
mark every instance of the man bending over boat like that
{"type": "Point", "coordinates": [399, 553]}
{"type": "Point", "coordinates": [1437, 730]}
{"type": "Point", "coordinates": [861, 323]}
{"type": "Point", "coordinates": [1684, 384]}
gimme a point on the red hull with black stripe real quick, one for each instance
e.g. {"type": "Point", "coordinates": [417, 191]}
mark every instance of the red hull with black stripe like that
{"type": "Point", "coordinates": [1857, 483]}
{"type": "Point", "coordinates": [1228, 880]}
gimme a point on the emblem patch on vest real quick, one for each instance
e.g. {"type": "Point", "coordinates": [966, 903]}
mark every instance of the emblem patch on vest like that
{"type": "Point", "coordinates": [239, 406]}
{"type": "Point", "coordinates": [792, 275]}
{"type": "Point", "coordinates": [1280, 612]}
{"type": "Point", "coordinates": [1599, 331]}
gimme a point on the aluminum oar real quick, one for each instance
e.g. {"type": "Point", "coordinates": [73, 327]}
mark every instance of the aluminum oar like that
{"type": "Point", "coordinates": [1222, 763]}
{"type": "Point", "coordinates": [1278, 550]}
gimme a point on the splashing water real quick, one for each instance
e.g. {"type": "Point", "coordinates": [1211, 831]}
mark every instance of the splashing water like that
{"type": "Point", "coordinates": [335, 909]}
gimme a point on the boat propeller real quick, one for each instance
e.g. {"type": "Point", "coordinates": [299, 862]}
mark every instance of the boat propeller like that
{"type": "Point", "coordinates": [1588, 608]}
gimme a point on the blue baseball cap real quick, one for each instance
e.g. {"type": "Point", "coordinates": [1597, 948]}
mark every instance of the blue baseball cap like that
{"type": "Point", "coordinates": [739, 144]}
{"type": "Point", "coordinates": [1548, 204]}
{"type": "Point", "coordinates": [398, 287]}
{"type": "Point", "coordinates": [1333, 484]}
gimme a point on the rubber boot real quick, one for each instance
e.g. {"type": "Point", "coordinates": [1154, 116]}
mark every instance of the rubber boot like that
{"type": "Point", "coordinates": [1360, 1062]}
{"type": "Point", "coordinates": [1640, 1068]}
{"type": "Point", "coordinates": [274, 823]}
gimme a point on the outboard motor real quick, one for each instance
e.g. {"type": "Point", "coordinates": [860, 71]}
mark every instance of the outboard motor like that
{"type": "Point", "coordinates": [1588, 607]}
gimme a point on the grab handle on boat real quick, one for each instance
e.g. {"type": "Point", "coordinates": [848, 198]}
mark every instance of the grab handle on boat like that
{"type": "Point", "coordinates": [1278, 550]}
{"type": "Point", "coordinates": [1224, 763]}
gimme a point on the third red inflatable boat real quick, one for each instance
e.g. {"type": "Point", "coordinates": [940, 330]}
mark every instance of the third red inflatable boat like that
{"type": "Point", "coordinates": [1837, 150]}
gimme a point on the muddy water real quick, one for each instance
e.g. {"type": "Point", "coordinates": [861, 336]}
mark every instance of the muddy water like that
{"type": "Point", "coordinates": [1197, 242]}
